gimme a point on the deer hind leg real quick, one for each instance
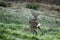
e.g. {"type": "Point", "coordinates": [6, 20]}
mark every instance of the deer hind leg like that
{"type": "Point", "coordinates": [41, 30]}
{"type": "Point", "coordinates": [34, 31]}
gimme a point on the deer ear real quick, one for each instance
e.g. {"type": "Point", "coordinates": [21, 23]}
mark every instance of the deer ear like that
{"type": "Point", "coordinates": [35, 14]}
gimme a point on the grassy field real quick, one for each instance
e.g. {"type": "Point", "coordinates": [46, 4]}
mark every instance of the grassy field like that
{"type": "Point", "coordinates": [22, 32]}
{"type": "Point", "coordinates": [14, 25]}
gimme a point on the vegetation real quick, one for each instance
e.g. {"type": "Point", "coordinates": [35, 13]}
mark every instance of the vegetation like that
{"type": "Point", "coordinates": [18, 32]}
{"type": "Point", "coordinates": [14, 26]}
{"type": "Point", "coordinates": [32, 6]}
{"type": "Point", "coordinates": [4, 4]}
{"type": "Point", "coordinates": [14, 21]}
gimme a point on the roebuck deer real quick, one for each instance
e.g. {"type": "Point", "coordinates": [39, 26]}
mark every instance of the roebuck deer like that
{"type": "Point", "coordinates": [34, 24]}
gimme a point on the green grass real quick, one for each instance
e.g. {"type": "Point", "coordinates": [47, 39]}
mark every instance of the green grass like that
{"type": "Point", "coordinates": [21, 16]}
{"type": "Point", "coordinates": [14, 25]}
{"type": "Point", "coordinates": [18, 31]}
{"type": "Point", "coordinates": [14, 16]}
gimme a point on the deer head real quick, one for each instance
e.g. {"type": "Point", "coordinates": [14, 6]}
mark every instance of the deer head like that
{"type": "Point", "coordinates": [35, 15]}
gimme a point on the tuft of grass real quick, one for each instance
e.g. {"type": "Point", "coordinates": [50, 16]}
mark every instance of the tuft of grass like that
{"type": "Point", "coordinates": [3, 36]}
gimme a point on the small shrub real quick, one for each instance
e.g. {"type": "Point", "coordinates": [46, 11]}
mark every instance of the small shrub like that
{"type": "Point", "coordinates": [32, 6]}
{"type": "Point", "coordinates": [3, 4]}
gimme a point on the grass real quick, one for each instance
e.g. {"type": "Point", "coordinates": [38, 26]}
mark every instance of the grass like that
{"type": "Point", "coordinates": [14, 25]}
{"type": "Point", "coordinates": [14, 32]}
{"type": "Point", "coordinates": [21, 16]}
